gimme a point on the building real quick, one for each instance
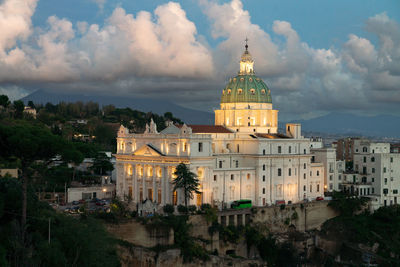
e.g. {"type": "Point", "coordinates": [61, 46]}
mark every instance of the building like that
{"type": "Point", "coordinates": [379, 169]}
{"type": "Point", "coordinates": [31, 111]}
{"type": "Point", "coordinates": [105, 191]}
{"type": "Point", "coordinates": [242, 156]}
{"type": "Point", "coordinates": [11, 172]}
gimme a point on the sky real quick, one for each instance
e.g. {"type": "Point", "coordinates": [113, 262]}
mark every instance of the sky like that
{"type": "Point", "coordinates": [315, 56]}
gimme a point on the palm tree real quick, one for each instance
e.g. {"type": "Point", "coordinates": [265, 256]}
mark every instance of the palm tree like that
{"type": "Point", "coordinates": [186, 180]}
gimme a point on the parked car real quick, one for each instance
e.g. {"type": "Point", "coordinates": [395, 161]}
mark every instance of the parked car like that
{"type": "Point", "coordinates": [319, 198]}
{"type": "Point", "coordinates": [280, 202]}
{"type": "Point", "coordinates": [75, 202]}
{"type": "Point", "coordinates": [82, 201]}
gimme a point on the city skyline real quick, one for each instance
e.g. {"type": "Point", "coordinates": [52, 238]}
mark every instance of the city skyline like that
{"type": "Point", "coordinates": [346, 60]}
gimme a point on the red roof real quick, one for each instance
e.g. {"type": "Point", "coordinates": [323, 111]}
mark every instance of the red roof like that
{"type": "Point", "coordinates": [208, 128]}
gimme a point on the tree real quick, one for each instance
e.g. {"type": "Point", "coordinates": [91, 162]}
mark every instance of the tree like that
{"type": "Point", "coordinates": [102, 164]}
{"type": "Point", "coordinates": [4, 101]}
{"type": "Point", "coordinates": [31, 104]}
{"type": "Point", "coordinates": [19, 108]}
{"type": "Point", "coordinates": [30, 143]}
{"type": "Point", "coordinates": [187, 181]}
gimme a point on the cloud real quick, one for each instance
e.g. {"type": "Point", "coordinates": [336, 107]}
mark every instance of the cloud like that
{"type": "Point", "coordinates": [163, 44]}
{"type": "Point", "coordinates": [160, 54]}
{"type": "Point", "coordinates": [100, 3]}
{"type": "Point", "coordinates": [304, 79]}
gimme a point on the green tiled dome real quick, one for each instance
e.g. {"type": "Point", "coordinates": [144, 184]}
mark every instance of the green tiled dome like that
{"type": "Point", "coordinates": [246, 88]}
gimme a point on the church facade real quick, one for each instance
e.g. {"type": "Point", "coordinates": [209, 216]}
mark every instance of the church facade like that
{"type": "Point", "coordinates": [242, 156]}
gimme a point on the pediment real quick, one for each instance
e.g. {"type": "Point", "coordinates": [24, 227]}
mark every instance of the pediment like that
{"type": "Point", "coordinates": [147, 150]}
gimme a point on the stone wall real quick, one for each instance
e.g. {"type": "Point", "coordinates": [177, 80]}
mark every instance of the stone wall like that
{"type": "Point", "coordinates": [141, 235]}
{"type": "Point", "coordinates": [309, 216]}
{"type": "Point", "coordinates": [137, 256]}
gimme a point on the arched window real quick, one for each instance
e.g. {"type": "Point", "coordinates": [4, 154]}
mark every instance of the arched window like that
{"type": "Point", "coordinates": [229, 91]}
{"type": "Point", "coordinates": [252, 91]}
{"type": "Point", "coordinates": [263, 91]}
{"type": "Point", "coordinates": [240, 91]}
{"type": "Point", "coordinates": [248, 176]}
{"type": "Point", "coordinates": [365, 149]}
{"type": "Point", "coordinates": [304, 188]}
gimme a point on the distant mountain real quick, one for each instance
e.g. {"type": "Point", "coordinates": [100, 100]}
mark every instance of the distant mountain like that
{"type": "Point", "coordinates": [340, 123]}
{"type": "Point", "coordinates": [157, 106]}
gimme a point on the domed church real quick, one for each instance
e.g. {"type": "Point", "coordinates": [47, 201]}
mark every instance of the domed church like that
{"type": "Point", "coordinates": [241, 157]}
{"type": "Point", "coordinates": [246, 104]}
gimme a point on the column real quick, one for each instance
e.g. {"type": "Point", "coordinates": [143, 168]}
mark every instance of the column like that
{"type": "Point", "coordinates": [163, 177]}
{"type": "Point", "coordinates": [144, 190]}
{"type": "Point", "coordinates": [167, 188]}
{"type": "Point", "coordinates": [123, 191]}
{"type": "Point", "coordinates": [135, 184]}
{"type": "Point", "coordinates": [155, 193]}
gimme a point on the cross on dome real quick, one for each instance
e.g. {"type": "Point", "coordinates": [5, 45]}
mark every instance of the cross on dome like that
{"type": "Point", "coordinates": [246, 61]}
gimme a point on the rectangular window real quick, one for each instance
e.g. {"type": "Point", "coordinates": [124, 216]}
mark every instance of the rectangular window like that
{"type": "Point", "coordinates": [305, 166]}
{"type": "Point", "coordinates": [290, 172]}
{"type": "Point", "coordinates": [373, 179]}
{"type": "Point", "coordinates": [340, 177]}
{"type": "Point", "coordinates": [220, 164]}
{"type": "Point", "coordinates": [263, 167]}
{"type": "Point", "coordinates": [373, 170]}
{"type": "Point", "coordinates": [237, 164]}
{"type": "Point", "coordinates": [290, 149]}
{"type": "Point", "coordinates": [215, 178]}
{"type": "Point", "coordinates": [310, 188]}
{"type": "Point", "coordinates": [200, 147]}
{"type": "Point", "coordinates": [317, 173]}
{"type": "Point", "coordinates": [263, 151]}
{"type": "Point", "coordinates": [263, 190]}
{"type": "Point", "coordinates": [373, 190]}
{"type": "Point", "coordinates": [391, 159]}
{"type": "Point", "coordinates": [330, 177]}
{"type": "Point", "coordinates": [304, 175]}
{"type": "Point", "coordinates": [330, 186]}
{"type": "Point", "coordinates": [317, 187]}
{"type": "Point", "coordinates": [232, 177]}
{"type": "Point", "coordinates": [384, 170]}
{"type": "Point", "coordinates": [263, 178]}
{"type": "Point", "coordinates": [279, 172]}
{"type": "Point", "coordinates": [395, 191]}
{"type": "Point", "coordinates": [279, 149]}
{"type": "Point", "coordinates": [385, 180]}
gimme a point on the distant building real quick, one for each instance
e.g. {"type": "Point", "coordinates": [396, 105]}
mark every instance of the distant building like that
{"type": "Point", "coordinates": [376, 173]}
{"type": "Point", "coordinates": [91, 192]}
{"type": "Point", "coordinates": [30, 111]}
{"type": "Point", "coordinates": [242, 156]}
{"type": "Point", "coordinates": [11, 172]}
{"type": "Point", "coordinates": [345, 148]}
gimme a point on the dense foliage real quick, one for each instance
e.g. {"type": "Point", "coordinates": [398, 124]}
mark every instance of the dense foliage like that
{"type": "Point", "coordinates": [78, 241]}
{"type": "Point", "coordinates": [382, 229]}
{"type": "Point", "coordinates": [345, 204]}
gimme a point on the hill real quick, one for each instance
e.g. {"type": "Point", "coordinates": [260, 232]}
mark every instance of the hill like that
{"type": "Point", "coordinates": [341, 123]}
{"type": "Point", "coordinates": [158, 106]}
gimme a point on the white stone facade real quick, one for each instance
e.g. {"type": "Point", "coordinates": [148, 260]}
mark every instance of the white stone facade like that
{"type": "Point", "coordinates": [230, 166]}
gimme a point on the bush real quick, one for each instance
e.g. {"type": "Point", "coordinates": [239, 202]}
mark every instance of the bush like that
{"type": "Point", "coordinates": [169, 209]}
{"type": "Point", "coordinates": [287, 221]}
{"type": "Point", "coordinates": [205, 206]}
{"type": "Point", "coordinates": [192, 208]}
{"type": "Point", "coordinates": [182, 209]}
{"type": "Point", "coordinates": [295, 216]}
{"type": "Point", "coordinates": [282, 206]}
